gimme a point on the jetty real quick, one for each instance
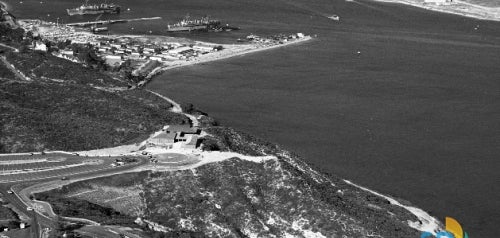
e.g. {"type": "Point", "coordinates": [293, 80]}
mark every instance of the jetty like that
{"type": "Point", "coordinates": [106, 22]}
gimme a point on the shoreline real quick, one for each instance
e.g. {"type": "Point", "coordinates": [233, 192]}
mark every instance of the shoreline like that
{"type": "Point", "coordinates": [460, 8]}
{"type": "Point", "coordinates": [229, 51]}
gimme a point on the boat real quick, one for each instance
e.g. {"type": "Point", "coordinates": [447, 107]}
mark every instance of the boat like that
{"type": "Point", "coordinates": [88, 9]}
{"type": "Point", "coordinates": [96, 29]}
{"type": "Point", "coordinates": [334, 17]}
{"type": "Point", "coordinates": [202, 24]}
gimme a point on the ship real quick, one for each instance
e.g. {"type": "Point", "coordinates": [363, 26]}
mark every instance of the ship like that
{"type": "Point", "coordinates": [96, 29]}
{"type": "Point", "coordinates": [202, 24]}
{"type": "Point", "coordinates": [88, 9]}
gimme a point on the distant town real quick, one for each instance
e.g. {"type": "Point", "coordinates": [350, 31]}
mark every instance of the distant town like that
{"type": "Point", "coordinates": [145, 55]}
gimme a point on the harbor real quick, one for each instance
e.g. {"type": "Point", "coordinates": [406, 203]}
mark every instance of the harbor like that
{"type": "Point", "coordinates": [107, 22]}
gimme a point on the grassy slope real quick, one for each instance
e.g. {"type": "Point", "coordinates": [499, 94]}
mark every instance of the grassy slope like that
{"type": "Point", "coordinates": [60, 108]}
{"type": "Point", "coordinates": [41, 65]}
{"type": "Point", "coordinates": [36, 116]}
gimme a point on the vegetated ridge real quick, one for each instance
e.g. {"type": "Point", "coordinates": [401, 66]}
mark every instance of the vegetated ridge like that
{"type": "Point", "coordinates": [236, 198]}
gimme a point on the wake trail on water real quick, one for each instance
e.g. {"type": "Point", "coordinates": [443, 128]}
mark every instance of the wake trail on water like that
{"type": "Point", "coordinates": [306, 9]}
{"type": "Point", "coordinates": [378, 9]}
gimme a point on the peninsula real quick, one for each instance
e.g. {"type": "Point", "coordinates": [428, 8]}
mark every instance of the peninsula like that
{"type": "Point", "coordinates": [468, 8]}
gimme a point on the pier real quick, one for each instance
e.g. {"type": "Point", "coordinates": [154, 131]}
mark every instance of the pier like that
{"type": "Point", "coordinates": [105, 22]}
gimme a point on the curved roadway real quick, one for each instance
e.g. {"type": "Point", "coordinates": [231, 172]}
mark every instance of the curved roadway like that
{"type": "Point", "coordinates": [24, 184]}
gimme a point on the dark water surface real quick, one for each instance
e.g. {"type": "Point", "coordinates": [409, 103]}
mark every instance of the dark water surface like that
{"type": "Point", "coordinates": [415, 115]}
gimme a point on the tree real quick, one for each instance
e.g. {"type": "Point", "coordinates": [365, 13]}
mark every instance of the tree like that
{"type": "Point", "coordinates": [210, 144]}
{"type": "Point", "coordinates": [187, 108]}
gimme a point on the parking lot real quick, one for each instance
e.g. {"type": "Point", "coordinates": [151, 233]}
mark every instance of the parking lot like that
{"type": "Point", "coordinates": [36, 167]}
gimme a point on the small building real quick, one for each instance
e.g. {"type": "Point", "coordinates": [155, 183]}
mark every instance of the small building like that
{"type": "Point", "coordinates": [117, 46]}
{"type": "Point", "coordinates": [203, 48]}
{"type": "Point", "coordinates": [167, 57]}
{"type": "Point", "coordinates": [113, 60]}
{"type": "Point", "coordinates": [185, 135]}
{"type": "Point", "coordinates": [300, 35]}
{"type": "Point", "coordinates": [157, 58]}
{"type": "Point", "coordinates": [135, 55]}
{"type": "Point", "coordinates": [66, 52]}
{"type": "Point", "coordinates": [40, 46]}
{"type": "Point", "coordinates": [180, 50]}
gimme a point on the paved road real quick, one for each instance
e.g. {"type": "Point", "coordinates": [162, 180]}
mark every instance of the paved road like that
{"type": "Point", "coordinates": [21, 186]}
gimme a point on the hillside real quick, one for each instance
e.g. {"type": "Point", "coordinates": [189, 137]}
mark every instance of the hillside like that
{"type": "Point", "coordinates": [236, 198]}
{"type": "Point", "coordinates": [36, 116]}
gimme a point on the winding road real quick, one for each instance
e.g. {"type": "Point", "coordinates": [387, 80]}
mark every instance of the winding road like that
{"type": "Point", "coordinates": [17, 191]}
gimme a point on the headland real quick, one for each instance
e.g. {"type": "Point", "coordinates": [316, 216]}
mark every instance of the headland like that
{"type": "Point", "coordinates": [456, 7]}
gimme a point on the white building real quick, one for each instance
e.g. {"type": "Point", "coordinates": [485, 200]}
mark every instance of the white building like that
{"type": "Point", "coordinates": [67, 52]}
{"type": "Point", "coordinates": [40, 46]}
{"type": "Point", "coordinates": [113, 60]}
{"type": "Point", "coordinates": [156, 58]}
{"type": "Point", "coordinates": [203, 48]}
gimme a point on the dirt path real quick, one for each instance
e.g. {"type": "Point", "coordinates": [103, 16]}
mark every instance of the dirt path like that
{"type": "Point", "coordinates": [14, 70]}
{"type": "Point", "coordinates": [177, 108]}
{"type": "Point", "coordinates": [10, 47]}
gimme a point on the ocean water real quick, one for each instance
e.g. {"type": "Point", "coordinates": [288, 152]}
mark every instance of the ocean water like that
{"type": "Point", "coordinates": [415, 115]}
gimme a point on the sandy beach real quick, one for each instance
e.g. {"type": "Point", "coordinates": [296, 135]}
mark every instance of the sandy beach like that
{"type": "Point", "coordinates": [458, 7]}
{"type": "Point", "coordinates": [228, 52]}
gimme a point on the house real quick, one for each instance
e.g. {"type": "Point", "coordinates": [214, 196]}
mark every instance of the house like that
{"type": "Point", "coordinates": [186, 135]}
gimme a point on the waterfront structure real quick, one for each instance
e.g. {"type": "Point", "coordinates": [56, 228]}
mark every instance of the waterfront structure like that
{"type": "Point", "coordinates": [202, 24]}
{"type": "Point", "coordinates": [87, 9]}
